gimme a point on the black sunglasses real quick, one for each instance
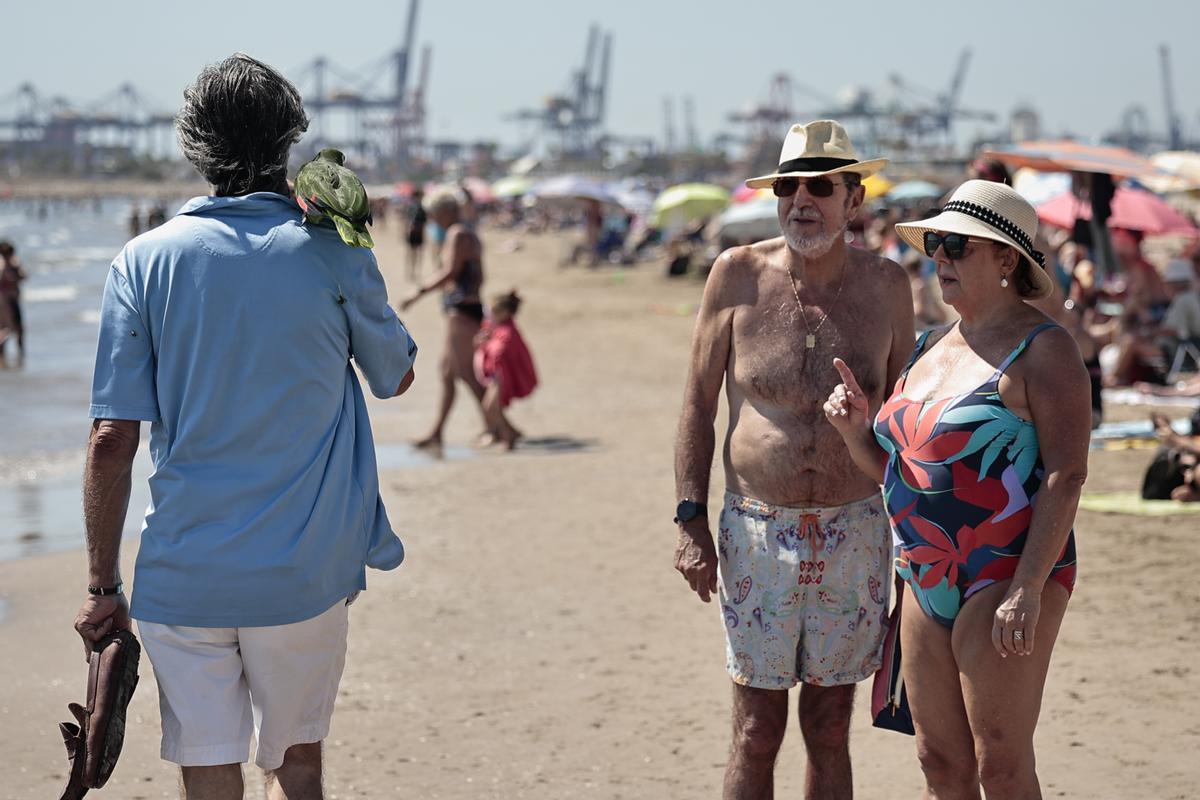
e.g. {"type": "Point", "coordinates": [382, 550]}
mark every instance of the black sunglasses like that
{"type": "Point", "coordinates": [817, 187]}
{"type": "Point", "coordinates": [955, 244]}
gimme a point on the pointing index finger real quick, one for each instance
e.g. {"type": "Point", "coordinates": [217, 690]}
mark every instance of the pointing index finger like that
{"type": "Point", "coordinates": [846, 375]}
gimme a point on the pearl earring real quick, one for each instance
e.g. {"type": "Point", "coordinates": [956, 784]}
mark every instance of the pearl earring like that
{"type": "Point", "coordinates": [1004, 281]}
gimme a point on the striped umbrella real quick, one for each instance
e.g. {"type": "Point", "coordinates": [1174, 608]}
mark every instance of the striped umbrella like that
{"type": "Point", "coordinates": [1069, 156]}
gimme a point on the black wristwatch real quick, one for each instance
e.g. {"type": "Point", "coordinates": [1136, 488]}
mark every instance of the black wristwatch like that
{"type": "Point", "coordinates": [688, 510]}
{"type": "Point", "coordinates": [105, 591]}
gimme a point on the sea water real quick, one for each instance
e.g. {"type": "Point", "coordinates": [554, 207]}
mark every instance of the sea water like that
{"type": "Point", "coordinates": [44, 424]}
{"type": "Point", "coordinates": [66, 251]}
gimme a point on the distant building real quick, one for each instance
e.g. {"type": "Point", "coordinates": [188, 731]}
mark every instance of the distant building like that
{"type": "Point", "coordinates": [1024, 125]}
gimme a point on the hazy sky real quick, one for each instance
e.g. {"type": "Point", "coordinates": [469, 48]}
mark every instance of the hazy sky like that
{"type": "Point", "coordinates": [1081, 63]}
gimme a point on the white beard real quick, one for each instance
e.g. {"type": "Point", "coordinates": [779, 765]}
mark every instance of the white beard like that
{"type": "Point", "coordinates": [814, 245]}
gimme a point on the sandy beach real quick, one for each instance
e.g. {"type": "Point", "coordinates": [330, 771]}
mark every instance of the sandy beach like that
{"type": "Point", "coordinates": [537, 643]}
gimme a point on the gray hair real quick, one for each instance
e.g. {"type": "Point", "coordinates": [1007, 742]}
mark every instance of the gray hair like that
{"type": "Point", "coordinates": [443, 198]}
{"type": "Point", "coordinates": [238, 122]}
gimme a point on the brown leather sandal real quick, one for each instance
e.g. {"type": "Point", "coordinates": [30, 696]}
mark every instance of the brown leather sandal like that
{"type": "Point", "coordinates": [94, 744]}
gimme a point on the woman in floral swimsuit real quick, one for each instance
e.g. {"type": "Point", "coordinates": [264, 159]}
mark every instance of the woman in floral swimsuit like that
{"type": "Point", "coordinates": [982, 453]}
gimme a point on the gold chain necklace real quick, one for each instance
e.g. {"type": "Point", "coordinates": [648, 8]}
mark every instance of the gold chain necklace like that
{"type": "Point", "coordinates": [810, 341]}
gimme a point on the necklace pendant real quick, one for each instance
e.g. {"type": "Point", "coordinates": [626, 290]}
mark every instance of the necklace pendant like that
{"type": "Point", "coordinates": [810, 341]}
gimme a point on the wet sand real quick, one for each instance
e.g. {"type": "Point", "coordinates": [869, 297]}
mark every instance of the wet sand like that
{"type": "Point", "coordinates": [538, 644]}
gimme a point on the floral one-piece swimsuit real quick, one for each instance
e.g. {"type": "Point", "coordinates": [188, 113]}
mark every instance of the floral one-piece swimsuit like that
{"type": "Point", "coordinates": [960, 484]}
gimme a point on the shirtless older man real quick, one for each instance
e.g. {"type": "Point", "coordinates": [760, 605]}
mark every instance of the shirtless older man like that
{"type": "Point", "coordinates": [803, 541]}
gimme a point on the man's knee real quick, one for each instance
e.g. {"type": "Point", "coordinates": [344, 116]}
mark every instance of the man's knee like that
{"type": "Point", "coordinates": [758, 736]}
{"type": "Point", "coordinates": [300, 773]}
{"type": "Point", "coordinates": [759, 722]}
{"type": "Point", "coordinates": [825, 716]}
{"type": "Point", "coordinates": [217, 782]}
{"type": "Point", "coordinates": [300, 755]}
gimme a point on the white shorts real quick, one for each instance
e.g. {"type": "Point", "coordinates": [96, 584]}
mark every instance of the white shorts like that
{"type": "Point", "coordinates": [803, 591]}
{"type": "Point", "coordinates": [217, 686]}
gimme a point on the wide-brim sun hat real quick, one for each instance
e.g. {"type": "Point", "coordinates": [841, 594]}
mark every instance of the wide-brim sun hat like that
{"type": "Point", "coordinates": [817, 148]}
{"type": "Point", "coordinates": [987, 210]}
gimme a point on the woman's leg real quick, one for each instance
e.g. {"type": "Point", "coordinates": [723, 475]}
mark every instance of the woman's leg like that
{"type": "Point", "coordinates": [16, 313]}
{"type": "Point", "coordinates": [1003, 696]}
{"type": "Point", "coordinates": [461, 346]}
{"type": "Point", "coordinates": [457, 364]}
{"type": "Point", "coordinates": [7, 328]}
{"type": "Point", "coordinates": [447, 374]}
{"type": "Point", "coordinates": [945, 746]}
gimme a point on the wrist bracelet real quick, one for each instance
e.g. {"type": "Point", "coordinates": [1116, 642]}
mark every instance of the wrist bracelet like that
{"type": "Point", "coordinates": [105, 591]}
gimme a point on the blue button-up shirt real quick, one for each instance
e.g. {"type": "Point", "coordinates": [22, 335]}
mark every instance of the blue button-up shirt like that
{"type": "Point", "coordinates": [231, 329]}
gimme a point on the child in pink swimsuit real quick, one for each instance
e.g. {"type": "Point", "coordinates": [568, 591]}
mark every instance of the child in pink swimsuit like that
{"type": "Point", "coordinates": [504, 366]}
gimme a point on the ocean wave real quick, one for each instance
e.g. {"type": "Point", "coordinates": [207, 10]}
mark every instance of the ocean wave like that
{"type": "Point", "coordinates": [59, 258]}
{"type": "Point", "coordinates": [40, 466]}
{"type": "Point", "coordinates": [50, 465]}
{"type": "Point", "coordinates": [50, 294]}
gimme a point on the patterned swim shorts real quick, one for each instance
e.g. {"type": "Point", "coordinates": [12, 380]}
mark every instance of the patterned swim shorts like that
{"type": "Point", "coordinates": [804, 591]}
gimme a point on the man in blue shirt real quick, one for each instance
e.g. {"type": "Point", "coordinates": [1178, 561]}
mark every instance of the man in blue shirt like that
{"type": "Point", "coordinates": [231, 329]}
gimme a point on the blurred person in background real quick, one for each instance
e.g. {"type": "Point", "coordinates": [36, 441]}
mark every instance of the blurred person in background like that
{"type": "Point", "coordinates": [990, 169]}
{"type": "Point", "coordinates": [1181, 324]}
{"type": "Point", "coordinates": [415, 235]}
{"type": "Point", "coordinates": [12, 324]}
{"type": "Point", "coordinates": [1145, 291]}
{"type": "Point", "coordinates": [460, 280]}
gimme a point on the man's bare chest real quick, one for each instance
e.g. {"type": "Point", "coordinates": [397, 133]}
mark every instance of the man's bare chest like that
{"type": "Point", "coordinates": [785, 359]}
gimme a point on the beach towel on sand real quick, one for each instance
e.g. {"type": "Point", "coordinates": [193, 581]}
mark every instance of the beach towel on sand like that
{"type": "Point", "coordinates": [504, 356]}
{"type": "Point", "coordinates": [1132, 503]}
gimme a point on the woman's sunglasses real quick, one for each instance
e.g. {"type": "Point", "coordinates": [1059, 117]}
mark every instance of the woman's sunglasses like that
{"type": "Point", "coordinates": [817, 187]}
{"type": "Point", "coordinates": [955, 244]}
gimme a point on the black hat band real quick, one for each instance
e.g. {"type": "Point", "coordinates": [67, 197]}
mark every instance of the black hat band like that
{"type": "Point", "coordinates": [814, 164]}
{"type": "Point", "coordinates": [1001, 223]}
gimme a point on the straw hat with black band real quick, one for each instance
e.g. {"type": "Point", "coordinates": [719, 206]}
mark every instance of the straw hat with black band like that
{"type": "Point", "coordinates": [988, 210]}
{"type": "Point", "coordinates": [817, 148]}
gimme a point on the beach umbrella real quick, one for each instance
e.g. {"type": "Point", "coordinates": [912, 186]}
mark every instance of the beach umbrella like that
{"type": "Point", "coordinates": [431, 188]}
{"type": "Point", "coordinates": [914, 192]}
{"type": "Point", "coordinates": [636, 200]}
{"type": "Point", "coordinates": [573, 187]}
{"type": "Point", "coordinates": [1132, 209]}
{"type": "Point", "coordinates": [688, 202]}
{"type": "Point", "coordinates": [481, 190]}
{"type": "Point", "coordinates": [876, 186]}
{"type": "Point", "coordinates": [744, 194]}
{"type": "Point", "coordinates": [1038, 187]}
{"type": "Point", "coordinates": [1182, 168]}
{"type": "Point", "coordinates": [1095, 170]}
{"type": "Point", "coordinates": [512, 186]}
{"type": "Point", "coordinates": [757, 219]}
{"type": "Point", "coordinates": [1070, 156]}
